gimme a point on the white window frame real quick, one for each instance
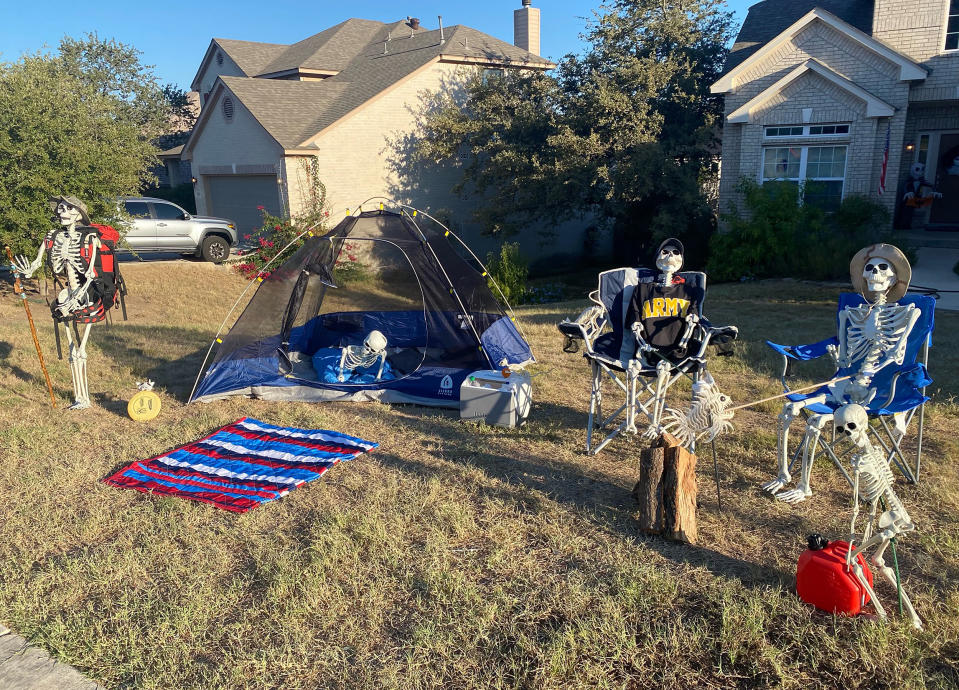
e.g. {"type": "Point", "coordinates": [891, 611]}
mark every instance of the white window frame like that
{"type": "Point", "coordinates": [805, 131]}
{"type": "Point", "coordinates": [803, 160]}
{"type": "Point", "coordinates": [945, 29]}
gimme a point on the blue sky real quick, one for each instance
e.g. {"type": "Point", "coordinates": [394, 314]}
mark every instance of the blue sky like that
{"type": "Point", "coordinates": [174, 35]}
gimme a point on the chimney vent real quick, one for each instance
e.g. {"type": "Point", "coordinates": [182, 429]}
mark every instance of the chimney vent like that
{"type": "Point", "coordinates": [526, 27]}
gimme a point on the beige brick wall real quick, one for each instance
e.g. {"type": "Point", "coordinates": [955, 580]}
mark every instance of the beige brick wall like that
{"type": "Point", "coordinates": [363, 157]}
{"type": "Point", "coordinates": [213, 70]}
{"type": "Point", "coordinates": [743, 143]}
{"type": "Point", "coordinates": [226, 146]}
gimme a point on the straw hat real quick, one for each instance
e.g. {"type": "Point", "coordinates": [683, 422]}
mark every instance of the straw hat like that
{"type": "Point", "coordinates": [891, 254]}
{"type": "Point", "coordinates": [72, 201]}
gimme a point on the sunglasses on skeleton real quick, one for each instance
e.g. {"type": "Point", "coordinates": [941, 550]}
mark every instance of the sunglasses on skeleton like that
{"type": "Point", "coordinates": [669, 251]}
{"type": "Point", "coordinates": [872, 267]}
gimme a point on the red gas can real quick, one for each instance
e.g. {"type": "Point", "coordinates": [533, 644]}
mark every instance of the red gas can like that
{"type": "Point", "coordinates": [823, 580]}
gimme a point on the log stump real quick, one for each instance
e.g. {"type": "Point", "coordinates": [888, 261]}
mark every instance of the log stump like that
{"type": "Point", "coordinates": [666, 491]}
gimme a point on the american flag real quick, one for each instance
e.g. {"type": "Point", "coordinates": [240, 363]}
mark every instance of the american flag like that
{"type": "Point", "coordinates": [885, 162]}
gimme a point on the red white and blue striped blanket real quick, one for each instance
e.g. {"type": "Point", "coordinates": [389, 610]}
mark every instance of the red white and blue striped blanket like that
{"type": "Point", "coordinates": [241, 465]}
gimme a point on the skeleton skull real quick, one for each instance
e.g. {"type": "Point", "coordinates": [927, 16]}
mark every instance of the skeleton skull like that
{"type": "Point", "coordinates": [374, 343]}
{"type": "Point", "coordinates": [917, 170]}
{"type": "Point", "coordinates": [853, 421]}
{"type": "Point", "coordinates": [670, 259]}
{"type": "Point", "coordinates": [68, 215]}
{"type": "Point", "coordinates": [879, 274]}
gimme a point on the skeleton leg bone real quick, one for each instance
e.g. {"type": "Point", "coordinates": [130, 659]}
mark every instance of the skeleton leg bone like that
{"type": "Point", "coordinates": [890, 575]}
{"type": "Point", "coordinates": [78, 368]}
{"type": "Point", "coordinates": [814, 429]}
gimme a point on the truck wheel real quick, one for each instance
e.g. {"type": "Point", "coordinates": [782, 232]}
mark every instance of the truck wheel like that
{"type": "Point", "coordinates": [215, 249]}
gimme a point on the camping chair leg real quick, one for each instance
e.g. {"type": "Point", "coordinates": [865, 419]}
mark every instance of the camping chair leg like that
{"type": "Point", "coordinates": [922, 415]}
{"type": "Point", "coordinates": [894, 453]}
{"type": "Point", "coordinates": [719, 499]}
{"type": "Point", "coordinates": [594, 396]}
{"type": "Point", "coordinates": [837, 462]}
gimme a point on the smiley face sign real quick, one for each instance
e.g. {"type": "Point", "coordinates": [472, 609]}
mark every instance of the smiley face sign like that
{"type": "Point", "coordinates": [144, 406]}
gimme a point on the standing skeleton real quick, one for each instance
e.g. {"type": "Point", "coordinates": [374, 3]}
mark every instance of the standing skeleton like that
{"type": "Point", "coordinates": [871, 336]}
{"type": "Point", "coordinates": [72, 254]}
{"type": "Point", "coordinates": [873, 482]}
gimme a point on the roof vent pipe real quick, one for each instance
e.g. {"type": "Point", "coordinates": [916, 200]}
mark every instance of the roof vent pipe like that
{"type": "Point", "coordinates": [442, 38]}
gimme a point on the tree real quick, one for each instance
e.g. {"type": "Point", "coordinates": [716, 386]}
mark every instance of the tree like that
{"type": "Point", "coordinates": [623, 132]}
{"type": "Point", "coordinates": [78, 122]}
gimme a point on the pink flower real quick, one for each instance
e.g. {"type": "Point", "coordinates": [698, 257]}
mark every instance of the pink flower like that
{"type": "Point", "coordinates": [326, 214]}
{"type": "Point", "coordinates": [239, 253]}
{"type": "Point", "coordinates": [260, 208]}
{"type": "Point", "coordinates": [351, 257]}
{"type": "Point", "coordinates": [246, 237]}
{"type": "Point", "coordinates": [269, 244]}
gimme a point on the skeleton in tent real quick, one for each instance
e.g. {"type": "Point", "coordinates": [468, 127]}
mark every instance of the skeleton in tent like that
{"type": "Point", "coordinates": [363, 356]}
{"type": "Point", "coordinates": [71, 252]}
{"type": "Point", "coordinates": [873, 482]}
{"type": "Point", "coordinates": [871, 336]}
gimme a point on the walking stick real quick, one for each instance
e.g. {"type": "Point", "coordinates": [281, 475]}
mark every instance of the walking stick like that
{"type": "Point", "coordinates": [18, 288]}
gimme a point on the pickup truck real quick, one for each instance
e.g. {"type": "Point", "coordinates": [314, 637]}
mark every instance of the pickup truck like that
{"type": "Point", "coordinates": [158, 225]}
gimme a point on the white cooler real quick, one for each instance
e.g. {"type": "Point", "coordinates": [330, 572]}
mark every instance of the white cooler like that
{"type": "Point", "coordinates": [486, 396]}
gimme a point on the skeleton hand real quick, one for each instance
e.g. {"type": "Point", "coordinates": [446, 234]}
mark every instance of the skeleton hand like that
{"type": "Point", "coordinates": [833, 352]}
{"type": "Point", "coordinates": [23, 266]}
{"type": "Point", "coordinates": [908, 195]}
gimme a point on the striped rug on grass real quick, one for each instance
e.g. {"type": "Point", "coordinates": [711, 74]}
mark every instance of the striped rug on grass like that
{"type": "Point", "coordinates": [241, 465]}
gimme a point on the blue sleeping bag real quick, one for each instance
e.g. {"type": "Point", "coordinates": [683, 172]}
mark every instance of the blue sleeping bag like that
{"type": "Point", "coordinates": [326, 362]}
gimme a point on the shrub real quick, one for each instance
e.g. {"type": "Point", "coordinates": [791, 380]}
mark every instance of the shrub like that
{"type": "Point", "coordinates": [509, 271]}
{"type": "Point", "coordinates": [779, 237]}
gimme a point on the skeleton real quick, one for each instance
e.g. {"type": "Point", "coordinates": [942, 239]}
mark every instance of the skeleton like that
{"type": "Point", "coordinates": [708, 415]}
{"type": "Point", "coordinates": [873, 335]}
{"type": "Point", "coordinates": [669, 260]}
{"type": "Point", "coordinates": [65, 259]}
{"type": "Point", "coordinates": [873, 482]}
{"type": "Point", "coordinates": [365, 356]}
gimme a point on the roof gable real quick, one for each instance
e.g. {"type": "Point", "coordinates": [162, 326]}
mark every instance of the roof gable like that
{"type": "Point", "coordinates": [908, 69]}
{"type": "Point", "coordinates": [875, 107]}
{"type": "Point", "coordinates": [330, 50]}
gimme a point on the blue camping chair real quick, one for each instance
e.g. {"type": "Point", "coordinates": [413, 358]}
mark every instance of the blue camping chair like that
{"type": "Point", "coordinates": [611, 352]}
{"type": "Point", "coordinates": [899, 389]}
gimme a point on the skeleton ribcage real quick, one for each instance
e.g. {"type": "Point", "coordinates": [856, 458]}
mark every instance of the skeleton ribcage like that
{"type": "Point", "coordinates": [872, 332]}
{"type": "Point", "coordinates": [65, 258]}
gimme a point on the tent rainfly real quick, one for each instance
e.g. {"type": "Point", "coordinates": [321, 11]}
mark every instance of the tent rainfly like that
{"type": "Point", "coordinates": [399, 272]}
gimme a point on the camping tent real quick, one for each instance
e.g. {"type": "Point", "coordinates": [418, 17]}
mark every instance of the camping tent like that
{"type": "Point", "coordinates": [396, 271]}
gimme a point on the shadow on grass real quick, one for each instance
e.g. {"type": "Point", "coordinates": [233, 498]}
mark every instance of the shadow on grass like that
{"type": "Point", "coordinates": [588, 494]}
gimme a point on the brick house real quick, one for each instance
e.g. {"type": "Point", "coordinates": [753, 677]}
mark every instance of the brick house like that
{"type": "Point", "coordinates": [345, 101]}
{"type": "Point", "coordinates": [813, 88]}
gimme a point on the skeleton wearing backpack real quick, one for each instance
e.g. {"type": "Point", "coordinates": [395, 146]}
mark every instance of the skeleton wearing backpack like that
{"type": "Point", "coordinates": [80, 257]}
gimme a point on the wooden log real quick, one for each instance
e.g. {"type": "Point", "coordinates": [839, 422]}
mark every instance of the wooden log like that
{"type": "Point", "coordinates": [649, 490]}
{"type": "Point", "coordinates": [666, 490]}
{"type": "Point", "coordinates": [679, 494]}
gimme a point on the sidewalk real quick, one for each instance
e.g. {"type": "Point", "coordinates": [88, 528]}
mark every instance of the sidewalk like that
{"type": "Point", "coordinates": [23, 667]}
{"type": "Point", "coordinates": [934, 270]}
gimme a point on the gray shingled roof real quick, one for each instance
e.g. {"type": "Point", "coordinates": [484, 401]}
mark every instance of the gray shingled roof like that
{"type": "Point", "coordinates": [249, 56]}
{"type": "Point", "coordinates": [328, 50]}
{"type": "Point", "coordinates": [769, 18]}
{"type": "Point", "coordinates": [294, 111]}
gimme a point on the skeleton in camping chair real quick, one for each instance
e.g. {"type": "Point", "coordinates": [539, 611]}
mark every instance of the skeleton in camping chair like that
{"type": "Point", "coordinates": [871, 336]}
{"type": "Point", "coordinates": [71, 254]}
{"type": "Point", "coordinates": [669, 260]}
{"type": "Point", "coordinates": [363, 356]}
{"type": "Point", "coordinates": [873, 482]}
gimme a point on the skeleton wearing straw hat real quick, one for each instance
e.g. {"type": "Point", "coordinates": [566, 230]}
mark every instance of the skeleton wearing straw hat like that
{"type": "Point", "coordinates": [71, 252]}
{"type": "Point", "coordinates": [871, 336]}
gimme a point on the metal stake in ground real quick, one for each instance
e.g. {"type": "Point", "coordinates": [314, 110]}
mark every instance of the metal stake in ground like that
{"type": "Point", "coordinates": [17, 288]}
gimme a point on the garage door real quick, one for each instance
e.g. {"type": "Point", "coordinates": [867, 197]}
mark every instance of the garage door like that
{"type": "Point", "coordinates": [236, 197]}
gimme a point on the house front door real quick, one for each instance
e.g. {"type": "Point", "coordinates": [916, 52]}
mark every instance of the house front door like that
{"type": "Point", "coordinates": [945, 210]}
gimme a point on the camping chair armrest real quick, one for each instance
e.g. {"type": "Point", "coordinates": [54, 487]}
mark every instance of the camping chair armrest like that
{"type": "Point", "coordinates": [915, 376]}
{"type": "Point", "coordinates": [801, 353]}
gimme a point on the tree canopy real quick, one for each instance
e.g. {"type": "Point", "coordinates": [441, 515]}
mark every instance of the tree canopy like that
{"type": "Point", "coordinates": [77, 122]}
{"type": "Point", "coordinates": [623, 132]}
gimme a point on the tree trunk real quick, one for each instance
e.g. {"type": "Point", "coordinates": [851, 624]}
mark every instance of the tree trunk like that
{"type": "Point", "coordinates": [666, 491]}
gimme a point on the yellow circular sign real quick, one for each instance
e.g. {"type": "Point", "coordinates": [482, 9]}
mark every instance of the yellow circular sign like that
{"type": "Point", "coordinates": [144, 406]}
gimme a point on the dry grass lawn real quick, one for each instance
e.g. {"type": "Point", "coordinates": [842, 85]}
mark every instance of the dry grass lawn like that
{"type": "Point", "coordinates": [454, 555]}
